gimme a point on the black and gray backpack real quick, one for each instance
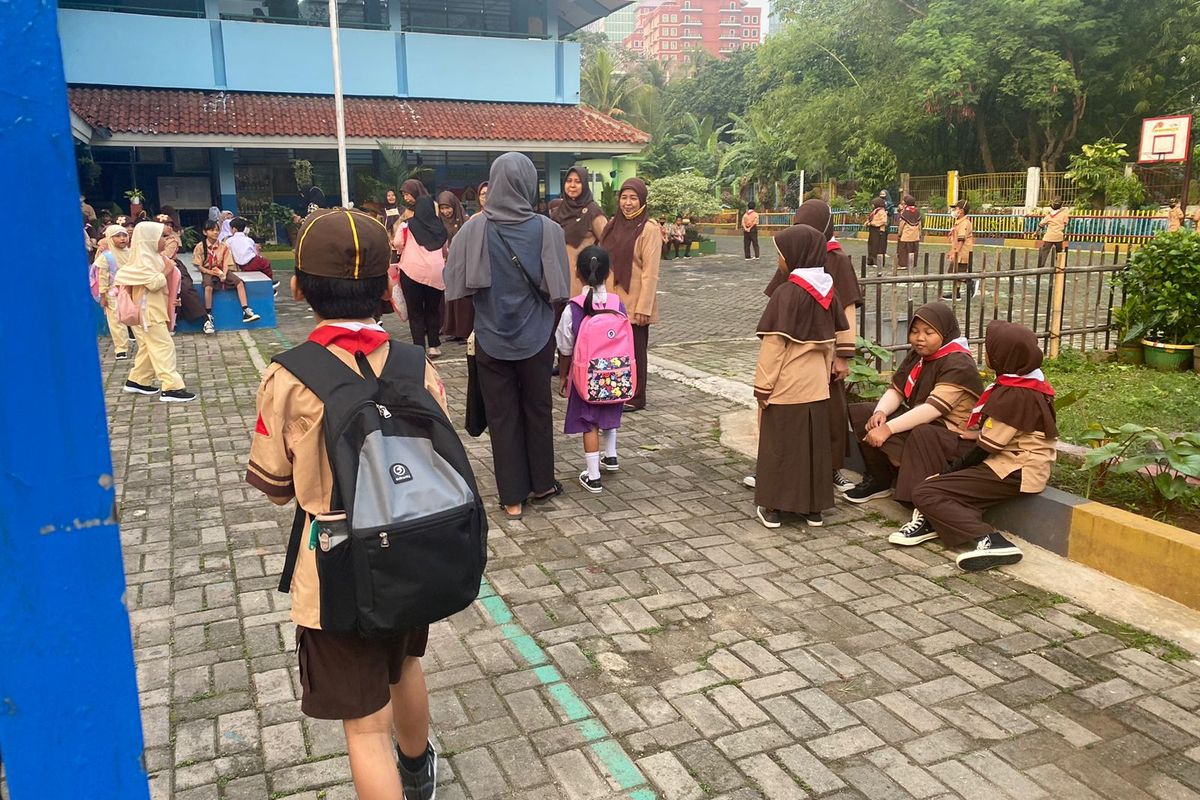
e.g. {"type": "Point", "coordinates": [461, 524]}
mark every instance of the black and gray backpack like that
{"type": "Point", "coordinates": [417, 531]}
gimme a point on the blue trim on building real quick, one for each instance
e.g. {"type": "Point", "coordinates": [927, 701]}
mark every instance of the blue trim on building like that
{"type": "Point", "coordinates": [218, 54]}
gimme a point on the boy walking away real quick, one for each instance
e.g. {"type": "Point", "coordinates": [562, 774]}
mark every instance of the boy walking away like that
{"type": "Point", "coordinates": [961, 238]}
{"type": "Point", "coordinates": [596, 365]}
{"type": "Point", "coordinates": [1016, 432]}
{"type": "Point", "coordinates": [354, 427]}
{"type": "Point", "coordinates": [1055, 226]}
{"type": "Point", "coordinates": [215, 261]}
{"type": "Point", "coordinates": [1174, 216]}
{"type": "Point", "coordinates": [909, 238]}
{"type": "Point", "coordinates": [750, 231]}
{"type": "Point", "coordinates": [111, 254]}
{"type": "Point", "coordinates": [245, 252]}
{"type": "Point", "coordinates": [913, 431]}
{"type": "Point", "coordinates": [799, 332]}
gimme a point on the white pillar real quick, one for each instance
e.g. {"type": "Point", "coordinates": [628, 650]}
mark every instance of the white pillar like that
{"type": "Point", "coordinates": [338, 104]}
{"type": "Point", "coordinates": [1033, 188]}
{"type": "Point", "coordinates": [800, 199]}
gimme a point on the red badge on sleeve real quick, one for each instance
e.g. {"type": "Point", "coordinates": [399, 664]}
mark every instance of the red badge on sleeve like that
{"type": "Point", "coordinates": [260, 427]}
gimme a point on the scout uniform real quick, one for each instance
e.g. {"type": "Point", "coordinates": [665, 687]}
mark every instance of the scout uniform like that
{"type": "Point", "coordinates": [1055, 223]}
{"type": "Point", "coordinates": [1174, 218]}
{"type": "Point", "coordinates": [909, 237]}
{"type": "Point", "coordinates": [343, 676]}
{"type": "Point", "coordinates": [153, 285]}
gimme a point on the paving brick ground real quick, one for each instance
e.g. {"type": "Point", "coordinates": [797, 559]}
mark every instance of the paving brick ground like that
{"type": "Point", "coordinates": [650, 641]}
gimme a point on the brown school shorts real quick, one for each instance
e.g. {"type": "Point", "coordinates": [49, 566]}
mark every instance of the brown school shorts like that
{"type": "Point", "coordinates": [231, 281]}
{"type": "Point", "coordinates": [344, 676]}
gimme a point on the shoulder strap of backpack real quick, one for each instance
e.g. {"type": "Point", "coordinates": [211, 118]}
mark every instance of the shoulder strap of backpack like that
{"type": "Point", "coordinates": [318, 369]}
{"type": "Point", "coordinates": [293, 550]}
{"type": "Point", "coordinates": [405, 362]}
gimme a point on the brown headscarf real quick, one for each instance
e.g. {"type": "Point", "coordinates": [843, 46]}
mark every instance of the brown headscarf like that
{"type": "Point", "coordinates": [575, 215]}
{"type": "Point", "coordinates": [817, 214]}
{"type": "Point", "coordinates": [909, 211]}
{"type": "Point", "coordinates": [457, 218]}
{"type": "Point", "coordinates": [414, 187]}
{"type": "Point", "coordinates": [956, 368]}
{"type": "Point", "coordinates": [1012, 349]}
{"type": "Point", "coordinates": [792, 312]}
{"type": "Point", "coordinates": [621, 234]}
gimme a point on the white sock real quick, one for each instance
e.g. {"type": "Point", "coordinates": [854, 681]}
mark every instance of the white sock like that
{"type": "Point", "coordinates": [593, 465]}
{"type": "Point", "coordinates": [608, 440]}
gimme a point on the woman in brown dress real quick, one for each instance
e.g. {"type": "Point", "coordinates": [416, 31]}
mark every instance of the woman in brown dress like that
{"type": "Point", "coordinates": [580, 217]}
{"type": "Point", "coordinates": [798, 331]}
{"type": "Point", "coordinates": [634, 244]}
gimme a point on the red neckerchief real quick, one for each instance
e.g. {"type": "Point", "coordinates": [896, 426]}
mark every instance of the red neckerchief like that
{"type": "Point", "coordinates": [1018, 381]}
{"type": "Point", "coordinates": [832, 245]}
{"type": "Point", "coordinates": [910, 382]}
{"type": "Point", "coordinates": [824, 300]}
{"type": "Point", "coordinates": [365, 340]}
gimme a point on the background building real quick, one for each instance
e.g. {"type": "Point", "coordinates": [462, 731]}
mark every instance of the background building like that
{"type": "Point", "coordinates": [669, 30]}
{"type": "Point", "coordinates": [236, 90]}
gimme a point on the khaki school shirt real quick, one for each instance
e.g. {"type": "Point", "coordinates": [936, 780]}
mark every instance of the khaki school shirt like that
{"type": "Point", "coordinates": [1056, 225]}
{"type": "Point", "coordinates": [288, 459]}
{"type": "Point", "coordinates": [909, 233]}
{"type": "Point", "coordinates": [878, 218]}
{"type": "Point", "coordinates": [1032, 452]}
{"type": "Point", "coordinates": [954, 403]}
{"type": "Point", "coordinates": [642, 297]}
{"type": "Point", "coordinates": [1174, 219]}
{"type": "Point", "coordinates": [227, 263]}
{"type": "Point", "coordinates": [962, 239]}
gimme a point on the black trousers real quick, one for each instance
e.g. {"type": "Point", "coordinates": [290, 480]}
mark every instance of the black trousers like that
{"type": "Point", "coordinates": [750, 240]}
{"type": "Point", "coordinates": [641, 342]}
{"type": "Point", "coordinates": [424, 311]}
{"type": "Point", "coordinates": [516, 397]}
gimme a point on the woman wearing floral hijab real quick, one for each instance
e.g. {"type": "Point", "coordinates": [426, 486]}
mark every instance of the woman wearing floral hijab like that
{"type": "Point", "coordinates": [580, 217]}
{"type": "Point", "coordinates": [634, 244]}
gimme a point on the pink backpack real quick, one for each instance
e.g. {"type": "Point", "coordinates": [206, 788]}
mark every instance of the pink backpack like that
{"type": "Point", "coordinates": [603, 370]}
{"type": "Point", "coordinates": [94, 275]}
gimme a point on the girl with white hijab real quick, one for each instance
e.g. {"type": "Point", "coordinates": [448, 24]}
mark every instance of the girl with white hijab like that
{"type": "Point", "coordinates": [153, 282]}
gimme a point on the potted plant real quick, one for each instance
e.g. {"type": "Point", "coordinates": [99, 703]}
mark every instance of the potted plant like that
{"type": "Point", "coordinates": [1162, 289]}
{"type": "Point", "coordinates": [1129, 335]}
{"type": "Point", "coordinates": [136, 197]}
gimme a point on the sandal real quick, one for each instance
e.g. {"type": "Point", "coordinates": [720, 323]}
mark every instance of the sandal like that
{"type": "Point", "coordinates": [553, 492]}
{"type": "Point", "coordinates": [520, 515]}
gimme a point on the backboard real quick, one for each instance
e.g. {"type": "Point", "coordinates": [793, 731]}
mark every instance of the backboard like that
{"type": "Point", "coordinates": [1165, 140]}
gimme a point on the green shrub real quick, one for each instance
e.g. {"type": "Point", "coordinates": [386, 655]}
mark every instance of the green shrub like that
{"type": "Point", "coordinates": [1162, 288]}
{"type": "Point", "coordinates": [938, 204]}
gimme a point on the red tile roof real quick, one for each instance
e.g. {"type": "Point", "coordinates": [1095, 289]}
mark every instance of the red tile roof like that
{"type": "Point", "coordinates": [167, 112]}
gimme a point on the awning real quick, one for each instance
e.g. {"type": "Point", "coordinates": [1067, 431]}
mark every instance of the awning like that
{"type": "Point", "coordinates": [164, 117]}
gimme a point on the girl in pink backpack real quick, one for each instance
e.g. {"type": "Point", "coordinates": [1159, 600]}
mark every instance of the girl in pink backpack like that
{"type": "Point", "coordinates": [598, 374]}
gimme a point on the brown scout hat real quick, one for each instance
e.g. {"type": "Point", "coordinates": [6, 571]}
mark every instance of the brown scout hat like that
{"type": "Point", "coordinates": [341, 243]}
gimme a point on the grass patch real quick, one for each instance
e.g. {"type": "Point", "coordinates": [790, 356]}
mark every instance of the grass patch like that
{"type": "Point", "coordinates": [1128, 492]}
{"type": "Point", "coordinates": [1119, 393]}
{"type": "Point", "coordinates": [1136, 637]}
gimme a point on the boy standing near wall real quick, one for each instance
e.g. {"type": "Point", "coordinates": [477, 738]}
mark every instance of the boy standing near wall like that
{"type": "Point", "coordinates": [370, 685]}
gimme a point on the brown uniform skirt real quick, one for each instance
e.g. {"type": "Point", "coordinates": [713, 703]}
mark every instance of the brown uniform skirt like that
{"type": "Point", "coordinates": [795, 468]}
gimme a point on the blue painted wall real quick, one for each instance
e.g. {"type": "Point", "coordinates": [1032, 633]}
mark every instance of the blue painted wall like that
{"type": "Point", "coordinates": [245, 56]}
{"type": "Point", "coordinates": [69, 720]}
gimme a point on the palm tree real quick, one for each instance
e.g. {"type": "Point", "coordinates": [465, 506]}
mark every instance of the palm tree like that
{"type": "Point", "coordinates": [759, 156]}
{"type": "Point", "coordinates": [606, 90]}
{"type": "Point", "coordinates": [396, 168]}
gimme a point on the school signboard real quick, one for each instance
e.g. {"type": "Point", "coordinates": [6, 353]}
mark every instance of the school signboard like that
{"type": "Point", "coordinates": [1165, 140]}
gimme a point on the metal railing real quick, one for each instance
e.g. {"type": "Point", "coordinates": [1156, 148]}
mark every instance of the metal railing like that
{"type": "Point", "coordinates": [993, 188]}
{"type": "Point", "coordinates": [1067, 304]}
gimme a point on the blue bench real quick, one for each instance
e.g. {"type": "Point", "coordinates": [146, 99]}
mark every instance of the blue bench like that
{"type": "Point", "coordinates": [227, 312]}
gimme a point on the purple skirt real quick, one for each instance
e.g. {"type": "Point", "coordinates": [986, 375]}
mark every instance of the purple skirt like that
{"type": "Point", "coordinates": [582, 416]}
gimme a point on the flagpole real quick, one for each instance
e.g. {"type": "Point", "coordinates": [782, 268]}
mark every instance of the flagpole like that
{"type": "Point", "coordinates": [339, 106]}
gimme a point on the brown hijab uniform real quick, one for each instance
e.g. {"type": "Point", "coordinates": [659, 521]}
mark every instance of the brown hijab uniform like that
{"type": "Point", "coordinates": [799, 335]}
{"type": "Point", "coordinates": [817, 214]}
{"type": "Point", "coordinates": [950, 383]}
{"type": "Point", "coordinates": [634, 245]}
{"type": "Point", "coordinates": [1016, 447]}
{"type": "Point", "coordinates": [582, 221]}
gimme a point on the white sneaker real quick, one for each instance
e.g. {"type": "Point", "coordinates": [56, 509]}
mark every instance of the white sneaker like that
{"type": "Point", "coordinates": [248, 315]}
{"type": "Point", "coordinates": [209, 327]}
{"type": "Point", "coordinates": [750, 481]}
{"type": "Point", "coordinates": [434, 352]}
{"type": "Point", "coordinates": [913, 532]}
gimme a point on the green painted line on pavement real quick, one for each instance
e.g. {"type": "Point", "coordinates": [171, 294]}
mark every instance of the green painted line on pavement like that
{"type": "Point", "coordinates": [610, 754]}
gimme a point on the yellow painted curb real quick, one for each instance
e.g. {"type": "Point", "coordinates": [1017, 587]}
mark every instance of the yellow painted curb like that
{"type": "Point", "coordinates": [1141, 551]}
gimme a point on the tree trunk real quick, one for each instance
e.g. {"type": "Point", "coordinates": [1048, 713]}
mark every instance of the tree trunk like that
{"type": "Point", "coordinates": [985, 145]}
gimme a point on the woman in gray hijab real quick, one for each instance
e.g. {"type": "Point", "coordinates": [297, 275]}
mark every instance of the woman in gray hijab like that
{"type": "Point", "coordinates": [512, 263]}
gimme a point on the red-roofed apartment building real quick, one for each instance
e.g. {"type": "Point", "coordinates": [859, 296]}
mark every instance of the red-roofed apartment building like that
{"type": "Point", "coordinates": [209, 102]}
{"type": "Point", "coordinates": [668, 30]}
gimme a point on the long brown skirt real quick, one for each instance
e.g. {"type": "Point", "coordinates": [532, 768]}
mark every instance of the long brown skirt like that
{"type": "Point", "coordinates": [459, 318]}
{"type": "Point", "coordinates": [795, 468]}
{"type": "Point", "coordinates": [839, 422]}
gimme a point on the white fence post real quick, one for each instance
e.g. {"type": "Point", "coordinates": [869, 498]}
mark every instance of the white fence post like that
{"type": "Point", "coordinates": [1033, 188]}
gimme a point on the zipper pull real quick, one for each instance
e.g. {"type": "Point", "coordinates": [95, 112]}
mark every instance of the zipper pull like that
{"type": "Point", "coordinates": [383, 540]}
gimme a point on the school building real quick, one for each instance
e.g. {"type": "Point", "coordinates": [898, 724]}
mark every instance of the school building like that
{"type": "Point", "coordinates": [209, 102]}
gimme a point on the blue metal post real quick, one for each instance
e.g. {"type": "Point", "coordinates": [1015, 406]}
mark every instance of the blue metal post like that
{"type": "Point", "coordinates": [69, 720]}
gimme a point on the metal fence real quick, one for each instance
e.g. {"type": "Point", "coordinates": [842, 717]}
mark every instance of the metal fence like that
{"type": "Point", "coordinates": [1067, 304]}
{"type": "Point", "coordinates": [1130, 227]}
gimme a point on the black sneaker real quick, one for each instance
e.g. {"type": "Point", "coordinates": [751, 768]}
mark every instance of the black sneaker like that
{"type": "Point", "coordinates": [993, 550]}
{"type": "Point", "coordinates": [138, 388]}
{"type": "Point", "coordinates": [814, 520]}
{"type": "Point", "coordinates": [275, 288]}
{"type": "Point", "coordinates": [177, 396]}
{"type": "Point", "coordinates": [121, 356]}
{"type": "Point", "coordinates": [750, 481]}
{"type": "Point", "coordinates": [841, 483]}
{"type": "Point", "coordinates": [769, 519]}
{"type": "Point", "coordinates": [947, 295]}
{"type": "Point", "coordinates": [913, 532]}
{"type": "Point", "coordinates": [248, 315]}
{"type": "Point", "coordinates": [869, 489]}
{"type": "Point", "coordinates": [609, 463]}
{"type": "Point", "coordinates": [422, 784]}
{"type": "Point", "coordinates": [591, 484]}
